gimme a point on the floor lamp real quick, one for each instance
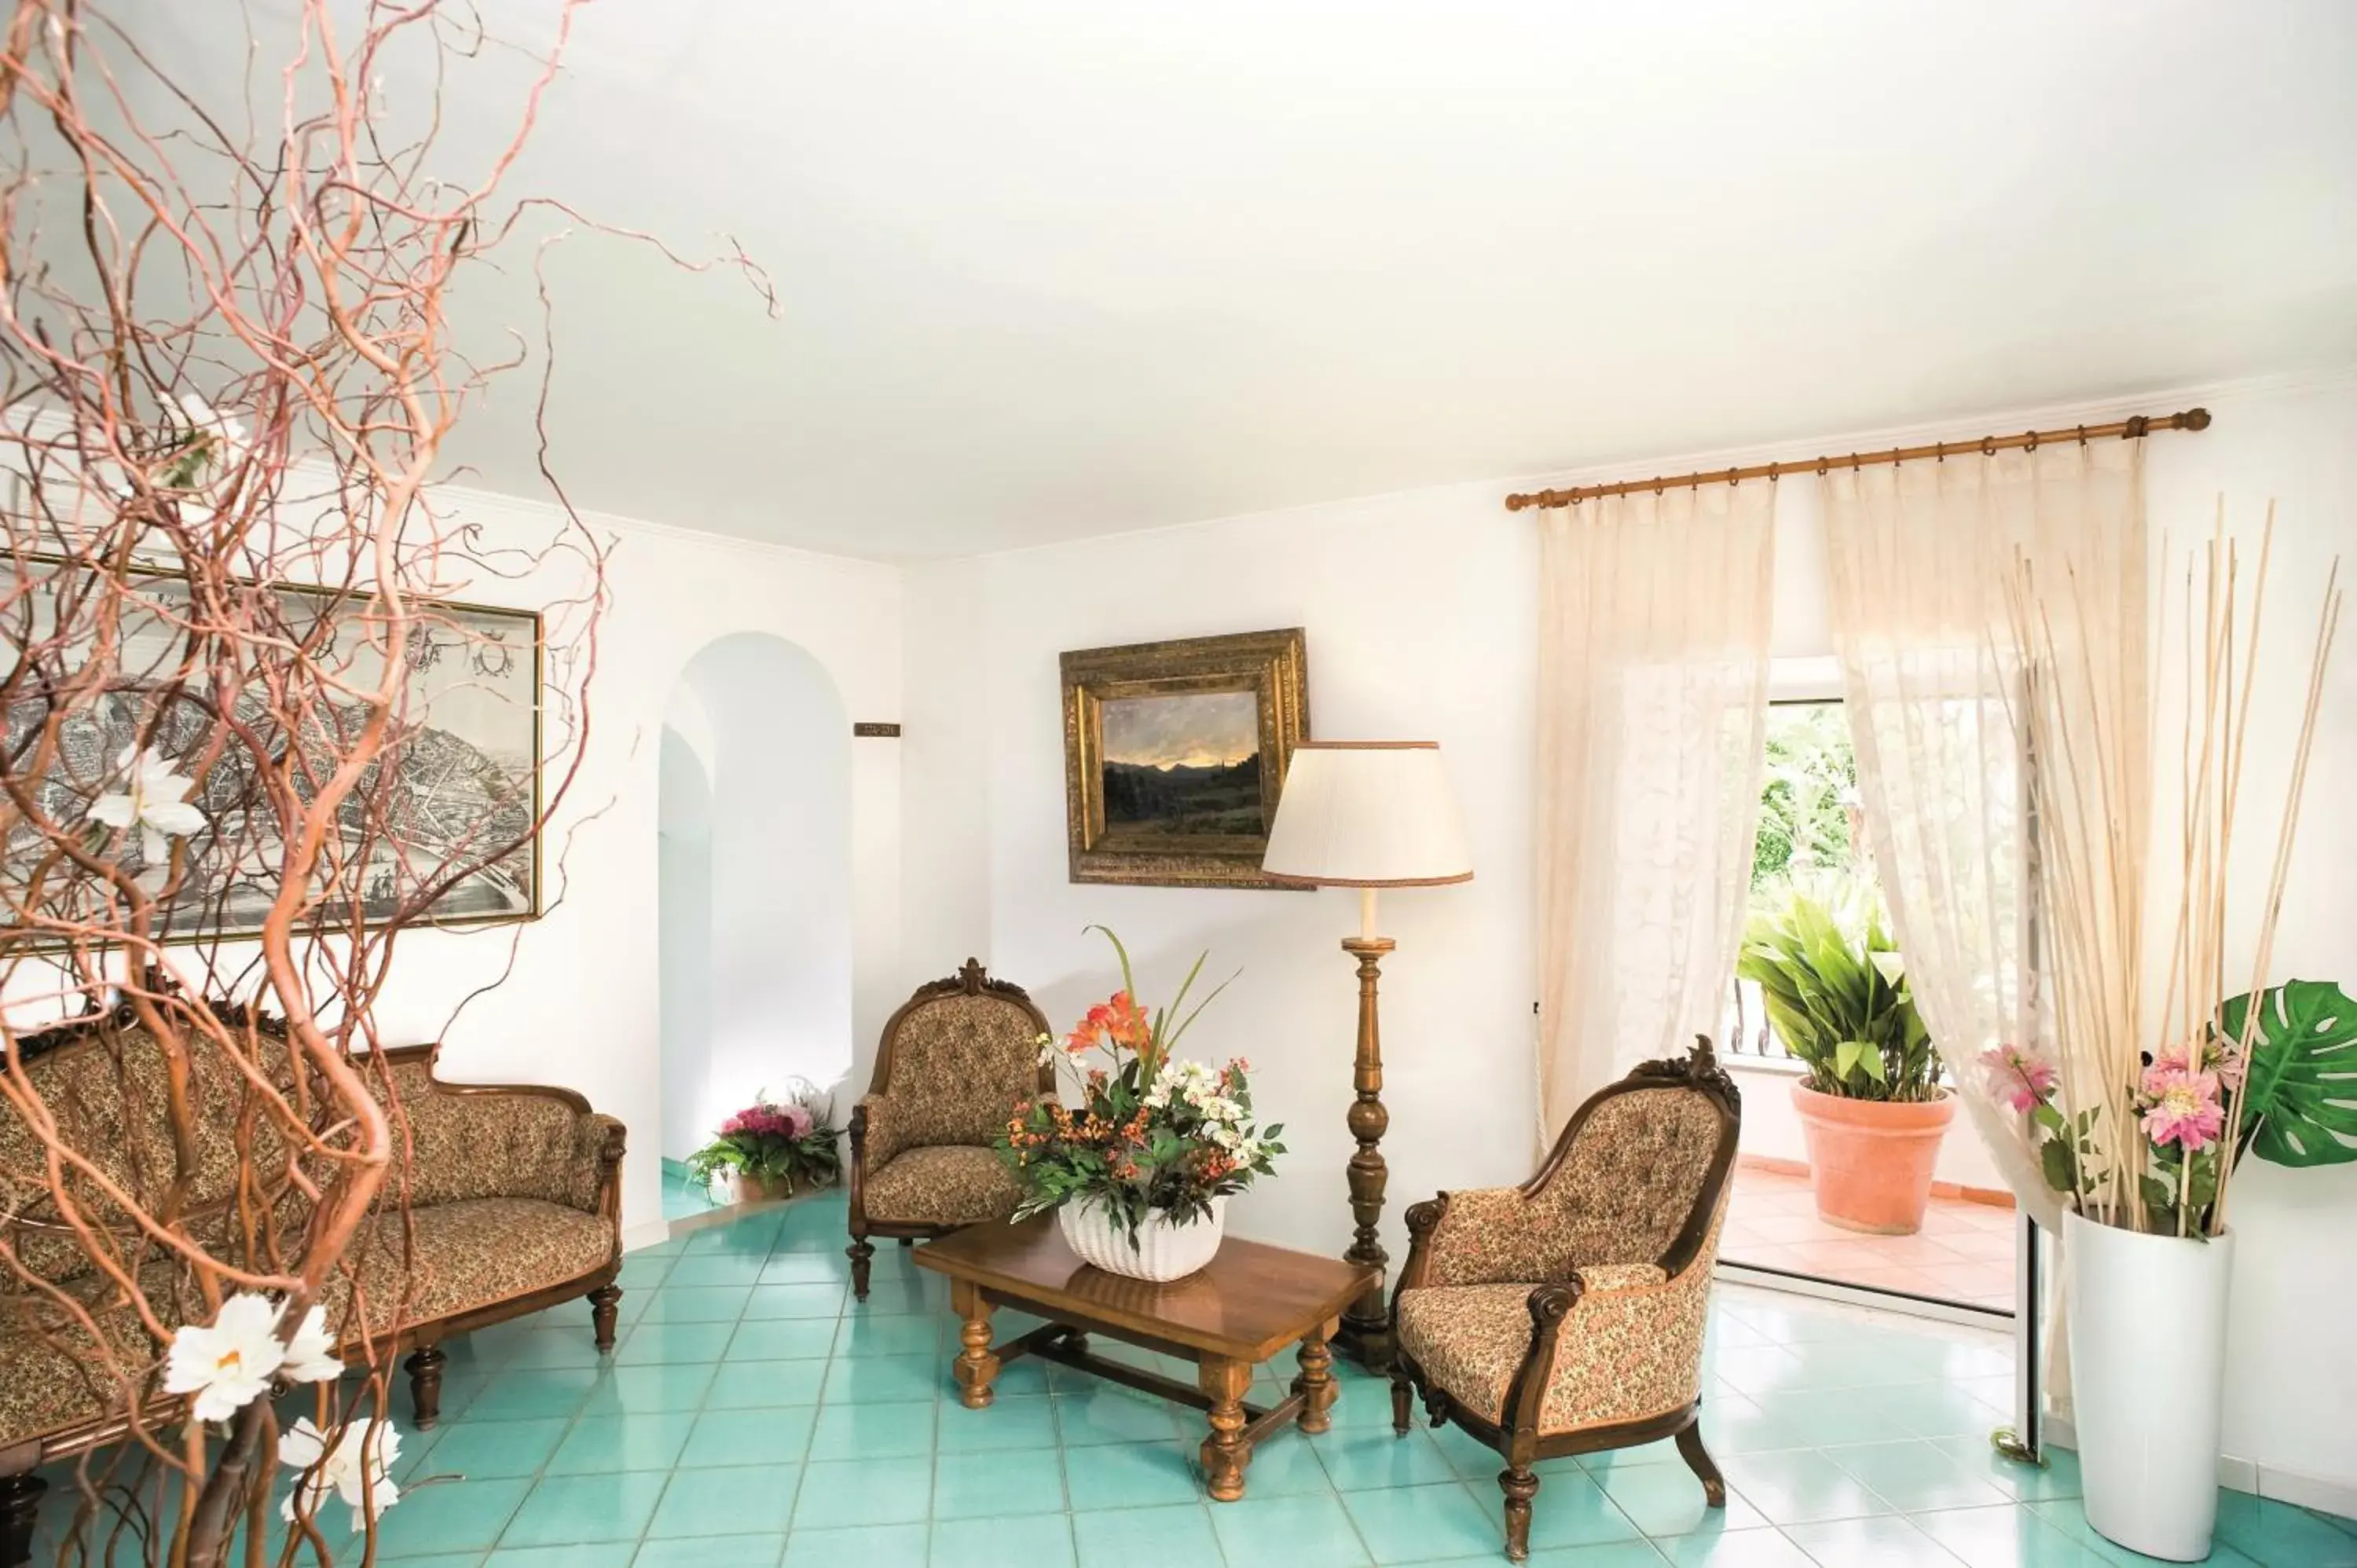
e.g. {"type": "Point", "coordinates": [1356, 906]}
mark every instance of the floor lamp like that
{"type": "Point", "coordinates": [1367, 814]}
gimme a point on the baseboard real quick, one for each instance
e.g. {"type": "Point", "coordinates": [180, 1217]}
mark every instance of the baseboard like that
{"type": "Point", "coordinates": [653, 1233]}
{"type": "Point", "coordinates": [2338, 1497]}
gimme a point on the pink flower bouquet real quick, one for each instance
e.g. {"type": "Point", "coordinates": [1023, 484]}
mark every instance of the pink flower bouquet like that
{"type": "Point", "coordinates": [773, 1145]}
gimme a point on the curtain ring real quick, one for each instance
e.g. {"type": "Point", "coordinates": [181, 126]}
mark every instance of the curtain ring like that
{"type": "Point", "coordinates": [1730, 475]}
{"type": "Point", "coordinates": [2029, 442]}
{"type": "Point", "coordinates": [1824, 467]}
{"type": "Point", "coordinates": [1988, 445]}
{"type": "Point", "coordinates": [1773, 470]}
{"type": "Point", "coordinates": [2083, 435]}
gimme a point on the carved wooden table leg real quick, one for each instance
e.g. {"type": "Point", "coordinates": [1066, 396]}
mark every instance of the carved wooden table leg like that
{"type": "Point", "coordinates": [1316, 1384]}
{"type": "Point", "coordinates": [1225, 1452]}
{"type": "Point", "coordinates": [425, 1369]}
{"type": "Point", "coordinates": [976, 1367]}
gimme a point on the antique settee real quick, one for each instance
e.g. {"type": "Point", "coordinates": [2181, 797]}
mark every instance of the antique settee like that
{"type": "Point", "coordinates": [512, 1197]}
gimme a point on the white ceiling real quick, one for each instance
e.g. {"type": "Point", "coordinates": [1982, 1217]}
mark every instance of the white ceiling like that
{"type": "Point", "coordinates": [1055, 269]}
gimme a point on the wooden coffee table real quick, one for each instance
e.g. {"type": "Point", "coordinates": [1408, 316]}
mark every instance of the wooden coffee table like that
{"type": "Point", "coordinates": [1250, 1303]}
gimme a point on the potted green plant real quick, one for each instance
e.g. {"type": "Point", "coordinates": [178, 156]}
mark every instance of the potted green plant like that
{"type": "Point", "coordinates": [772, 1148]}
{"type": "Point", "coordinates": [1871, 1108]}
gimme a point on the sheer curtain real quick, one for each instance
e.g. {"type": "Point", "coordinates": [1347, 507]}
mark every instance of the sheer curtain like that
{"type": "Point", "coordinates": [1652, 711]}
{"type": "Point", "coordinates": [1928, 567]}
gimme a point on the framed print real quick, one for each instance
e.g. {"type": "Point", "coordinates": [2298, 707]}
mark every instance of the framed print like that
{"type": "Point", "coordinates": [1175, 754]}
{"type": "Point", "coordinates": [464, 758]}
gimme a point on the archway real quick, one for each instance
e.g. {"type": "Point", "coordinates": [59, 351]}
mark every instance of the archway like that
{"type": "Point", "coordinates": [754, 883]}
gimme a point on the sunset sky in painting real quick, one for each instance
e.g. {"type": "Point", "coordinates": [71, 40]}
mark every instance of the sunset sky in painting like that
{"type": "Point", "coordinates": [1206, 730]}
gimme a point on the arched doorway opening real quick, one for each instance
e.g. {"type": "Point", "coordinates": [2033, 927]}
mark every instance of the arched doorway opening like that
{"type": "Point", "coordinates": [754, 884]}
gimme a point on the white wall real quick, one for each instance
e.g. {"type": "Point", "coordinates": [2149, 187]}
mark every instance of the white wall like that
{"type": "Point", "coordinates": [1420, 612]}
{"type": "Point", "coordinates": [755, 817]}
{"type": "Point", "coordinates": [583, 1006]}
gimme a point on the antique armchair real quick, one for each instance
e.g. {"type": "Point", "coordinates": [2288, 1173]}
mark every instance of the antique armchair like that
{"type": "Point", "coordinates": [1567, 1315]}
{"type": "Point", "coordinates": [954, 1063]}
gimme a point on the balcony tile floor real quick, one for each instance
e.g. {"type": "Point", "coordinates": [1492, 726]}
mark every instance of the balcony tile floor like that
{"type": "Point", "coordinates": [1964, 1253]}
{"type": "Point", "coordinates": [756, 1417]}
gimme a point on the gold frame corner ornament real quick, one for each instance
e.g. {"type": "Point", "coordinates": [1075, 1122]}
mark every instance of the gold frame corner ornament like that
{"type": "Point", "coordinates": [1272, 665]}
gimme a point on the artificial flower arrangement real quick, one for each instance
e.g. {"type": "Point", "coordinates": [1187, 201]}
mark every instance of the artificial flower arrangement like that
{"type": "Point", "coordinates": [1152, 1134]}
{"type": "Point", "coordinates": [774, 1147]}
{"type": "Point", "coordinates": [2279, 1078]}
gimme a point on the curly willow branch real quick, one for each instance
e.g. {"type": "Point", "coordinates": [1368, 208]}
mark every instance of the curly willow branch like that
{"type": "Point", "coordinates": [226, 378]}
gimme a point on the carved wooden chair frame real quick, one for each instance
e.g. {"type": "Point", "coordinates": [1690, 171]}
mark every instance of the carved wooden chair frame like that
{"type": "Point", "coordinates": [21, 1489]}
{"type": "Point", "coordinates": [971, 980]}
{"type": "Point", "coordinates": [1516, 1437]}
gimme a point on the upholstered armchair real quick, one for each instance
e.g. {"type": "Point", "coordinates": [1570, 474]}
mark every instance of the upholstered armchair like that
{"type": "Point", "coordinates": [1567, 1315]}
{"type": "Point", "coordinates": [955, 1062]}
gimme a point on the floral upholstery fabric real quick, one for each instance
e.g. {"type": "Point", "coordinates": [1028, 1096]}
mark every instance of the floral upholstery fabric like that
{"type": "Point", "coordinates": [960, 1064]}
{"type": "Point", "coordinates": [51, 1374]}
{"type": "Point", "coordinates": [1630, 1350]}
{"type": "Point", "coordinates": [1624, 1190]}
{"type": "Point", "coordinates": [482, 1146]}
{"type": "Point", "coordinates": [465, 1255]}
{"type": "Point", "coordinates": [943, 1184]}
{"type": "Point", "coordinates": [110, 1101]}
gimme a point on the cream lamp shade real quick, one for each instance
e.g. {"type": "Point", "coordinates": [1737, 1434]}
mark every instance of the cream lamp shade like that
{"type": "Point", "coordinates": [1367, 813]}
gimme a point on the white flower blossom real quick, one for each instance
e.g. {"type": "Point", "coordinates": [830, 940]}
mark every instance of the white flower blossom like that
{"type": "Point", "coordinates": [311, 1354]}
{"type": "Point", "coordinates": [355, 1469]}
{"type": "Point", "coordinates": [230, 1364]}
{"type": "Point", "coordinates": [155, 802]}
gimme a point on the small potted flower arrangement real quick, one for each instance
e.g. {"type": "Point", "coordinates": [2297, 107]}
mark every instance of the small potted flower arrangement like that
{"type": "Point", "coordinates": [1138, 1175]}
{"type": "Point", "coordinates": [772, 1148]}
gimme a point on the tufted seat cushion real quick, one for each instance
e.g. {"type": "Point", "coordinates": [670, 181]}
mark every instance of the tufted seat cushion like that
{"type": "Point", "coordinates": [1472, 1339]}
{"type": "Point", "coordinates": [468, 1254]}
{"type": "Point", "coordinates": [946, 1183]}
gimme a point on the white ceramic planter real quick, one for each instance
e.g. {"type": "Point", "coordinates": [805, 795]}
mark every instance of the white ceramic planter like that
{"type": "Point", "coordinates": [2148, 1324]}
{"type": "Point", "coordinates": [1163, 1250]}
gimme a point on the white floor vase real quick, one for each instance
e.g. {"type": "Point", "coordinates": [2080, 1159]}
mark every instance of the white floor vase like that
{"type": "Point", "coordinates": [2148, 1324]}
{"type": "Point", "coordinates": [1162, 1251]}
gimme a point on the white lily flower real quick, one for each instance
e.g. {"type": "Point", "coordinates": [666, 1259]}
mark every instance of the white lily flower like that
{"type": "Point", "coordinates": [157, 802]}
{"type": "Point", "coordinates": [228, 1365]}
{"type": "Point", "coordinates": [311, 1354]}
{"type": "Point", "coordinates": [355, 1469]}
{"type": "Point", "coordinates": [227, 437]}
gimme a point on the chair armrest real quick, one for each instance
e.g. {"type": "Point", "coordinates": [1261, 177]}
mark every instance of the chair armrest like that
{"type": "Point", "coordinates": [877, 1133]}
{"type": "Point", "coordinates": [1483, 1236]}
{"type": "Point", "coordinates": [1629, 1348]}
{"type": "Point", "coordinates": [594, 1185]}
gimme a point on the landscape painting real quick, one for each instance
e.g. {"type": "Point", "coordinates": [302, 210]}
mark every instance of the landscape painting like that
{"type": "Point", "coordinates": [1175, 755]}
{"type": "Point", "coordinates": [1184, 764]}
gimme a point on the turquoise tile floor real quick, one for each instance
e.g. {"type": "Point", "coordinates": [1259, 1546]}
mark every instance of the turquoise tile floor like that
{"type": "Point", "coordinates": [753, 1416]}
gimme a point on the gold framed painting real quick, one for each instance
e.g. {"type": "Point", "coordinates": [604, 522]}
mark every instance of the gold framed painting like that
{"type": "Point", "coordinates": [1175, 754]}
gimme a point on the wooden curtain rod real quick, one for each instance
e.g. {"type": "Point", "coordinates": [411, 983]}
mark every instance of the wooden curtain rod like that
{"type": "Point", "coordinates": [2132, 429]}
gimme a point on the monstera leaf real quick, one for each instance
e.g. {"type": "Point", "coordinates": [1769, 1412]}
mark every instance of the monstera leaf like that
{"type": "Point", "coordinates": [2302, 1109]}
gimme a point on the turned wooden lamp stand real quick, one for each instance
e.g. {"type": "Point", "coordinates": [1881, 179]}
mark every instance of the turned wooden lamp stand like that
{"type": "Point", "coordinates": [1367, 814]}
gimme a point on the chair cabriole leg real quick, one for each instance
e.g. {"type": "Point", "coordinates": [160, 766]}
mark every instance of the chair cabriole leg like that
{"type": "Point", "coordinates": [860, 1250]}
{"type": "Point", "coordinates": [1403, 1402]}
{"type": "Point", "coordinates": [1698, 1460]}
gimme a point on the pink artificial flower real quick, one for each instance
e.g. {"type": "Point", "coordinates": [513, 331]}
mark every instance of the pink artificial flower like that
{"type": "Point", "coordinates": [2182, 1107]}
{"type": "Point", "coordinates": [798, 1121]}
{"type": "Point", "coordinates": [2020, 1078]}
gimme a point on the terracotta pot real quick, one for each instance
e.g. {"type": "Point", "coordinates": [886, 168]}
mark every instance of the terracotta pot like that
{"type": "Point", "coordinates": [1870, 1160]}
{"type": "Point", "coordinates": [752, 1188]}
